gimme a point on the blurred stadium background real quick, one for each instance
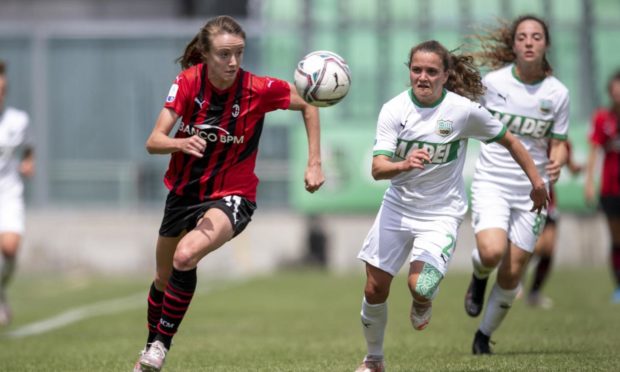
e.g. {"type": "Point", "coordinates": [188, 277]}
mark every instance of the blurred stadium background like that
{"type": "Point", "coordinates": [93, 75]}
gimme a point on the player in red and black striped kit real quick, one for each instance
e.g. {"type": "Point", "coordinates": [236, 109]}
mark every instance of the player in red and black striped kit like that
{"type": "Point", "coordinates": [211, 172]}
{"type": "Point", "coordinates": [605, 138]}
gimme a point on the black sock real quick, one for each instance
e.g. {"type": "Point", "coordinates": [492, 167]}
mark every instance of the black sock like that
{"type": "Point", "coordinates": [540, 274]}
{"type": "Point", "coordinates": [155, 303]}
{"type": "Point", "coordinates": [615, 262]}
{"type": "Point", "coordinates": [177, 297]}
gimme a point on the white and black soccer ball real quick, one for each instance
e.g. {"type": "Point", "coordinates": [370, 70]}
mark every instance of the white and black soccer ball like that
{"type": "Point", "coordinates": [322, 78]}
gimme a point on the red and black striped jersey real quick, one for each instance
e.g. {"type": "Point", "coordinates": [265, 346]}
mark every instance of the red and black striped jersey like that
{"type": "Point", "coordinates": [231, 122]}
{"type": "Point", "coordinates": [605, 132]}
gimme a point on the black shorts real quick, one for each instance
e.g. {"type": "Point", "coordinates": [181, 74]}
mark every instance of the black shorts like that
{"type": "Point", "coordinates": [611, 206]}
{"type": "Point", "coordinates": [183, 213]}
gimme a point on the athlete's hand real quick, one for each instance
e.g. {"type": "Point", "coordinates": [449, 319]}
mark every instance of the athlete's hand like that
{"type": "Point", "coordinates": [540, 197]}
{"type": "Point", "coordinates": [313, 178]}
{"type": "Point", "coordinates": [589, 194]}
{"type": "Point", "coordinates": [194, 145]}
{"type": "Point", "coordinates": [553, 170]}
{"type": "Point", "coordinates": [415, 160]}
{"type": "Point", "coordinates": [26, 167]}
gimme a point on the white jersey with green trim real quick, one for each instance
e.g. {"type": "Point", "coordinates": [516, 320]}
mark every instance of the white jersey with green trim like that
{"type": "Point", "coordinates": [443, 129]}
{"type": "Point", "coordinates": [532, 112]}
{"type": "Point", "coordinates": [14, 136]}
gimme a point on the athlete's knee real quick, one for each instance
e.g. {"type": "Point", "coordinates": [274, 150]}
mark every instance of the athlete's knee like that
{"type": "Point", "coordinates": [427, 283]}
{"type": "Point", "coordinates": [509, 279]}
{"type": "Point", "coordinates": [9, 245]}
{"type": "Point", "coordinates": [376, 293]}
{"type": "Point", "coordinates": [490, 256]}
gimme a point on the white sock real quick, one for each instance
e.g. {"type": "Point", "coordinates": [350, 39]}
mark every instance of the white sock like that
{"type": "Point", "coordinates": [480, 271]}
{"type": "Point", "coordinates": [374, 320]}
{"type": "Point", "coordinates": [500, 301]}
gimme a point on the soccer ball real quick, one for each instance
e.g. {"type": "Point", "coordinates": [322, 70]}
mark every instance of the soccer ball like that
{"type": "Point", "coordinates": [322, 78]}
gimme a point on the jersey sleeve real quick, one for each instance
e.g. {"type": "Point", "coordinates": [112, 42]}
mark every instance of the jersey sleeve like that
{"type": "Point", "coordinates": [177, 96]}
{"type": "Point", "coordinates": [597, 129]}
{"type": "Point", "coordinates": [560, 123]}
{"type": "Point", "coordinates": [483, 126]}
{"type": "Point", "coordinates": [387, 133]}
{"type": "Point", "coordinates": [275, 94]}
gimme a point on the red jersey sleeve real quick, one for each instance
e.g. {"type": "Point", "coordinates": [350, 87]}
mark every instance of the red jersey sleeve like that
{"type": "Point", "coordinates": [179, 92]}
{"type": "Point", "coordinates": [598, 134]}
{"type": "Point", "coordinates": [275, 94]}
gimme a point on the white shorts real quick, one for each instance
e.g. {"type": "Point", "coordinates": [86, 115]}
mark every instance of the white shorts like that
{"type": "Point", "coordinates": [393, 237]}
{"type": "Point", "coordinates": [493, 208]}
{"type": "Point", "coordinates": [12, 210]}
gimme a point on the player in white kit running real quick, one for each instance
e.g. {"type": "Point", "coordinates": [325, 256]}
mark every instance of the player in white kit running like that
{"type": "Point", "coordinates": [16, 160]}
{"type": "Point", "coordinates": [533, 104]}
{"type": "Point", "coordinates": [420, 145]}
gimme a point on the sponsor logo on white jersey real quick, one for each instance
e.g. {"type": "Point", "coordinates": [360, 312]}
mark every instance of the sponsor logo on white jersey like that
{"type": "Point", "coordinates": [525, 126]}
{"type": "Point", "coordinates": [439, 152]}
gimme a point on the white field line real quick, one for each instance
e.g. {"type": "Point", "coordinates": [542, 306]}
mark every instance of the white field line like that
{"type": "Point", "coordinates": [80, 313]}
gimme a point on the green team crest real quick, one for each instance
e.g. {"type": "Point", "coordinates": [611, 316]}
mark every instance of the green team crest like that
{"type": "Point", "coordinates": [546, 105]}
{"type": "Point", "coordinates": [444, 127]}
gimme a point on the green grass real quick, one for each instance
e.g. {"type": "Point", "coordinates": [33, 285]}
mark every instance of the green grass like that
{"type": "Point", "coordinates": [309, 321]}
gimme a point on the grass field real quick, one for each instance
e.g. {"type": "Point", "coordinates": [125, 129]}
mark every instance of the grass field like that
{"type": "Point", "coordinates": [304, 321]}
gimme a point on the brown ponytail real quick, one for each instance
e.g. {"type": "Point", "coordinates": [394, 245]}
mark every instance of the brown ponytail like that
{"type": "Point", "coordinates": [464, 78]}
{"type": "Point", "coordinates": [201, 43]}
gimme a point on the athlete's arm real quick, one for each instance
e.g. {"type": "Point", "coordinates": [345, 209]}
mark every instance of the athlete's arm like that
{"type": "Point", "coordinates": [558, 156]}
{"type": "Point", "coordinates": [26, 167]}
{"type": "Point", "coordinates": [383, 168]}
{"type": "Point", "coordinates": [522, 157]}
{"type": "Point", "coordinates": [589, 188]}
{"type": "Point", "coordinates": [159, 141]}
{"type": "Point", "coordinates": [313, 176]}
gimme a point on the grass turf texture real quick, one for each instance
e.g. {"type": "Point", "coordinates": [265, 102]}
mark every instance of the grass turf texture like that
{"type": "Point", "coordinates": [309, 321]}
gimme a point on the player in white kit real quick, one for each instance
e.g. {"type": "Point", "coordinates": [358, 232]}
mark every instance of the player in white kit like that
{"type": "Point", "coordinates": [16, 159]}
{"type": "Point", "coordinates": [420, 145]}
{"type": "Point", "coordinates": [533, 104]}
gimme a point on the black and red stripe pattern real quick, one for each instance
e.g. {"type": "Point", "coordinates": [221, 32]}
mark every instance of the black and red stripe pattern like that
{"type": "Point", "coordinates": [177, 298]}
{"type": "Point", "coordinates": [155, 302]}
{"type": "Point", "coordinates": [231, 123]}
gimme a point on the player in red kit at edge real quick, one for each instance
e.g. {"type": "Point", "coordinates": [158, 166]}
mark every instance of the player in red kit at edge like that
{"type": "Point", "coordinates": [211, 172]}
{"type": "Point", "coordinates": [605, 141]}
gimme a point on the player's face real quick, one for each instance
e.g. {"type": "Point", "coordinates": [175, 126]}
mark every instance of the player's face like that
{"type": "Point", "coordinates": [530, 44]}
{"type": "Point", "coordinates": [2, 91]}
{"type": "Point", "coordinates": [427, 76]}
{"type": "Point", "coordinates": [224, 59]}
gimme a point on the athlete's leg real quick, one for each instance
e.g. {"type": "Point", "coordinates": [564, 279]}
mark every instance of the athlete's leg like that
{"type": "Point", "coordinates": [9, 245]}
{"type": "Point", "coordinates": [374, 310]}
{"type": "Point", "coordinates": [163, 262]}
{"type": "Point", "coordinates": [491, 245]}
{"type": "Point", "coordinates": [423, 283]}
{"type": "Point", "coordinates": [545, 247]}
{"type": "Point", "coordinates": [614, 227]}
{"type": "Point", "coordinates": [212, 231]}
{"type": "Point", "coordinates": [505, 290]}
